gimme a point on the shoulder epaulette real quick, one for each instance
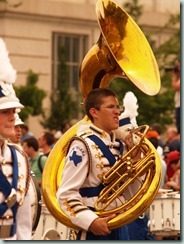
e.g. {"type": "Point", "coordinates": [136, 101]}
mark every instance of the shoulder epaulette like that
{"type": "Point", "coordinates": [81, 138]}
{"type": "Point", "coordinates": [21, 151]}
{"type": "Point", "coordinates": [85, 134]}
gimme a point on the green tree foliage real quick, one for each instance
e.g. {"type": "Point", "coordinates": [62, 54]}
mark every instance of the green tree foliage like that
{"type": "Point", "coordinates": [158, 108]}
{"type": "Point", "coordinates": [63, 107]}
{"type": "Point", "coordinates": [169, 51]}
{"type": "Point", "coordinates": [134, 9]}
{"type": "Point", "coordinates": [30, 96]}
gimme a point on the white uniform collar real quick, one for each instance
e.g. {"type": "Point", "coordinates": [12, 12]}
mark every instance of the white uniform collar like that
{"type": "Point", "coordinates": [2, 152]}
{"type": "Point", "coordinates": [102, 134]}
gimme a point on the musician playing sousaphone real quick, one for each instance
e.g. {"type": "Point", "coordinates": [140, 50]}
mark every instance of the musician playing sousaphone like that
{"type": "Point", "coordinates": [94, 181]}
{"type": "Point", "coordinates": [90, 155]}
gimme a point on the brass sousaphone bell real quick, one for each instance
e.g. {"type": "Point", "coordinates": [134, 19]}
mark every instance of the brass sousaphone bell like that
{"type": "Point", "coordinates": [121, 51]}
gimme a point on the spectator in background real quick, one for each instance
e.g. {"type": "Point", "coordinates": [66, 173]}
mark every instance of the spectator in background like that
{"type": "Point", "coordinates": [157, 127]}
{"type": "Point", "coordinates": [174, 182]}
{"type": "Point", "coordinates": [46, 142]}
{"type": "Point", "coordinates": [153, 136]}
{"type": "Point", "coordinates": [65, 126]}
{"type": "Point", "coordinates": [25, 132]}
{"type": "Point", "coordinates": [37, 159]}
{"type": "Point", "coordinates": [57, 134]}
{"type": "Point", "coordinates": [173, 172]}
{"type": "Point", "coordinates": [173, 141]}
{"type": "Point", "coordinates": [175, 78]}
{"type": "Point", "coordinates": [172, 159]}
{"type": "Point", "coordinates": [175, 74]}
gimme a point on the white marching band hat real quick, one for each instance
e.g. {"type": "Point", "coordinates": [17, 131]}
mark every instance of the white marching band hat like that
{"type": "Point", "coordinates": [8, 97]}
{"type": "Point", "coordinates": [18, 120]}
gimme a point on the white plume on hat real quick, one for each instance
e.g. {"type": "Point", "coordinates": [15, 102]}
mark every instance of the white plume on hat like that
{"type": "Point", "coordinates": [8, 76]}
{"type": "Point", "coordinates": [7, 72]}
{"type": "Point", "coordinates": [127, 119]}
{"type": "Point", "coordinates": [131, 106]}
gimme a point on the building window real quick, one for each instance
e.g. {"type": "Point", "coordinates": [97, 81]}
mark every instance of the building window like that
{"type": "Point", "coordinates": [68, 53]}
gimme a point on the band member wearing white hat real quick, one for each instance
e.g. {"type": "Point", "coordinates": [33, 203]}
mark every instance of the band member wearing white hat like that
{"type": "Point", "coordinates": [15, 207]}
{"type": "Point", "coordinates": [16, 137]}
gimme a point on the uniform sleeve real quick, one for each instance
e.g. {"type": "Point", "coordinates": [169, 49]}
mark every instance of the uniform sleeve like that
{"type": "Point", "coordinates": [74, 175]}
{"type": "Point", "coordinates": [24, 219]}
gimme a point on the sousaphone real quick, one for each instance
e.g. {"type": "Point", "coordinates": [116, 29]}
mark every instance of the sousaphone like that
{"type": "Point", "coordinates": [121, 51]}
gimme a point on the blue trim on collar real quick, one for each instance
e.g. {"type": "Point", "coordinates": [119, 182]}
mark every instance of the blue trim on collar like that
{"type": "Point", "coordinates": [124, 121]}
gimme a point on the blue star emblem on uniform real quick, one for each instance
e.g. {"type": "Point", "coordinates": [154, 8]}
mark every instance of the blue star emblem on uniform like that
{"type": "Point", "coordinates": [75, 158]}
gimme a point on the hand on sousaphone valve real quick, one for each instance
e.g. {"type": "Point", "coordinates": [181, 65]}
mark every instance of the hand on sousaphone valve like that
{"type": "Point", "coordinates": [129, 179]}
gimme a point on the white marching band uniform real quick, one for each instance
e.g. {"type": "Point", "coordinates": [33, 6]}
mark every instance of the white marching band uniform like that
{"type": "Point", "coordinates": [84, 168]}
{"type": "Point", "coordinates": [19, 227]}
{"type": "Point", "coordinates": [85, 165]}
{"type": "Point", "coordinates": [15, 207]}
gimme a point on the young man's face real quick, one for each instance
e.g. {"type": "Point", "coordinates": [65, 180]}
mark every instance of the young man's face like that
{"type": "Point", "coordinates": [26, 148]}
{"type": "Point", "coordinates": [7, 120]}
{"type": "Point", "coordinates": [107, 116]}
{"type": "Point", "coordinates": [16, 137]}
{"type": "Point", "coordinates": [41, 140]}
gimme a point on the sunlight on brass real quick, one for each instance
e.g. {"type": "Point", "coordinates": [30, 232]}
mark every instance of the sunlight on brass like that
{"type": "Point", "coordinates": [121, 51]}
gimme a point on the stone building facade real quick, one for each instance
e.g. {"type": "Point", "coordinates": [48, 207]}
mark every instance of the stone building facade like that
{"type": "Point", "coordinates": [33, 30]}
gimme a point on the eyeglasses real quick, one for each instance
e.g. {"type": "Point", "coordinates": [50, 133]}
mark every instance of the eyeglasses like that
{"type": "Point", "coordinates": [113, 107]}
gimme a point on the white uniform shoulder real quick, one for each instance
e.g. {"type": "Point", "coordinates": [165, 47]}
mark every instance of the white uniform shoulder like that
{"type": "Point", "coordinates": [23, 164]}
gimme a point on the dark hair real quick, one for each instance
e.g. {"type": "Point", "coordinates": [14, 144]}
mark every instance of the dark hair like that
{"type": "Point", "coordinates": [94, 99]}
{"type": "Point", "coordinates": [49, 137]}
{"type": "Point", "coordinates": [174, 161]}
{"type": "Point", "coordinates": [24, 126]}
{"type": "Point", "coordinates": [157, 127]}
{"type": "Point", "coordinates": [65, 126]}
{"type": "Point", "coordinates": [154, 141]}
{"type": "Point", "coordinates": [32, 142]}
